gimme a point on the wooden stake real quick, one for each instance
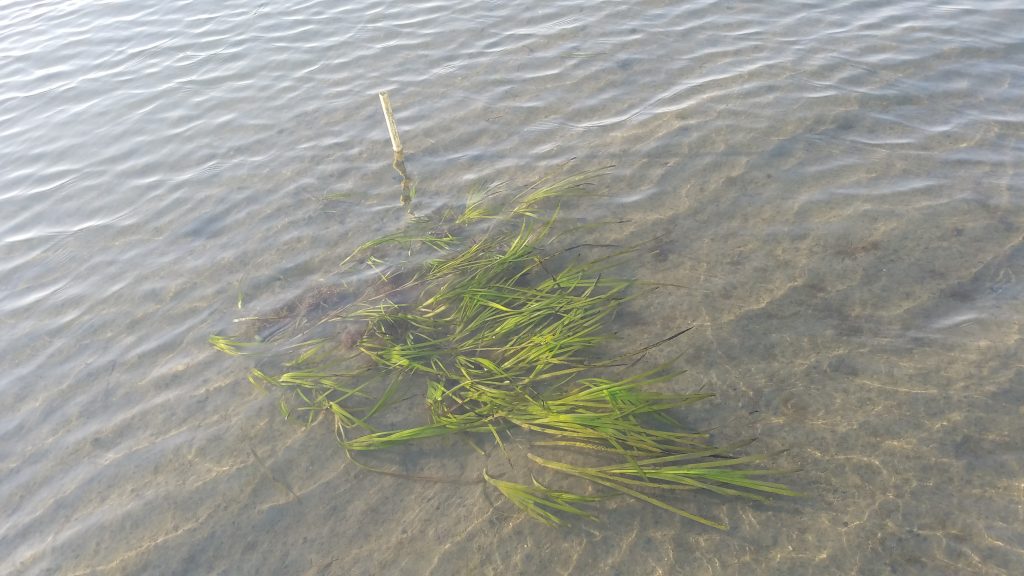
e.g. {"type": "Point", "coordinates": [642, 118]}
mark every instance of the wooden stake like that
{"type": "Point", "coordinates": [385, 103]}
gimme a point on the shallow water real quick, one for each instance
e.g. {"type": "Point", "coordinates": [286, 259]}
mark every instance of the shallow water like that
{"type": "Point", "coordinates": [837, 184]}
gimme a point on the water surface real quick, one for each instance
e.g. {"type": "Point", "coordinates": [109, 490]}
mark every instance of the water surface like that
{"type": "Point", "coordinates": [837, 184]}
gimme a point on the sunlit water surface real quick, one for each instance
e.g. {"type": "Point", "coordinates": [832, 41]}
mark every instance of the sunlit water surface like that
{"type": "Point", "coordinates": [837, 184]}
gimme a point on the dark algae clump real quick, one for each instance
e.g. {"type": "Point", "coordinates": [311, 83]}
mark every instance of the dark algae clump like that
{"type": "Point", "coordinates": [493, 316]}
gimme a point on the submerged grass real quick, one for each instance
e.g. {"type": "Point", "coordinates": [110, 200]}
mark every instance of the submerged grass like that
{"type": "Point", "coordinates": [482, 314]}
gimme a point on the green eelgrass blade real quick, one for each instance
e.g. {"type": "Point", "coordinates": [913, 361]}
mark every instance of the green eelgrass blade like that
{"type": "Point", "coordinates": [440, 242]}
{"type": "Point", "coordinates": [234, 347]}
{"type": "Point", "coordinates": [542, 503]}
{"type": "Point", "coordinates": [449, 425]}
{"type": "Point", "coordinates": [526, 203]}
{"type": "Point", "coordinates": [625, 490]}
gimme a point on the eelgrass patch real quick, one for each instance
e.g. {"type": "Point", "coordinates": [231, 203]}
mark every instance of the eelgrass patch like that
{"type": "Point", "coordinates": [496, 319]}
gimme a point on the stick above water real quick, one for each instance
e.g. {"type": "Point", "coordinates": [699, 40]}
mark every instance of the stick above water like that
{"type": "Point", "coordinates": [385, 103]}
{"type": "Point", "coordinates": [396, 144]}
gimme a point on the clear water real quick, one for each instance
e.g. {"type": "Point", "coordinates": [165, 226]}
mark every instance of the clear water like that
{"type": "Point", "coordinates": [838, 184]}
